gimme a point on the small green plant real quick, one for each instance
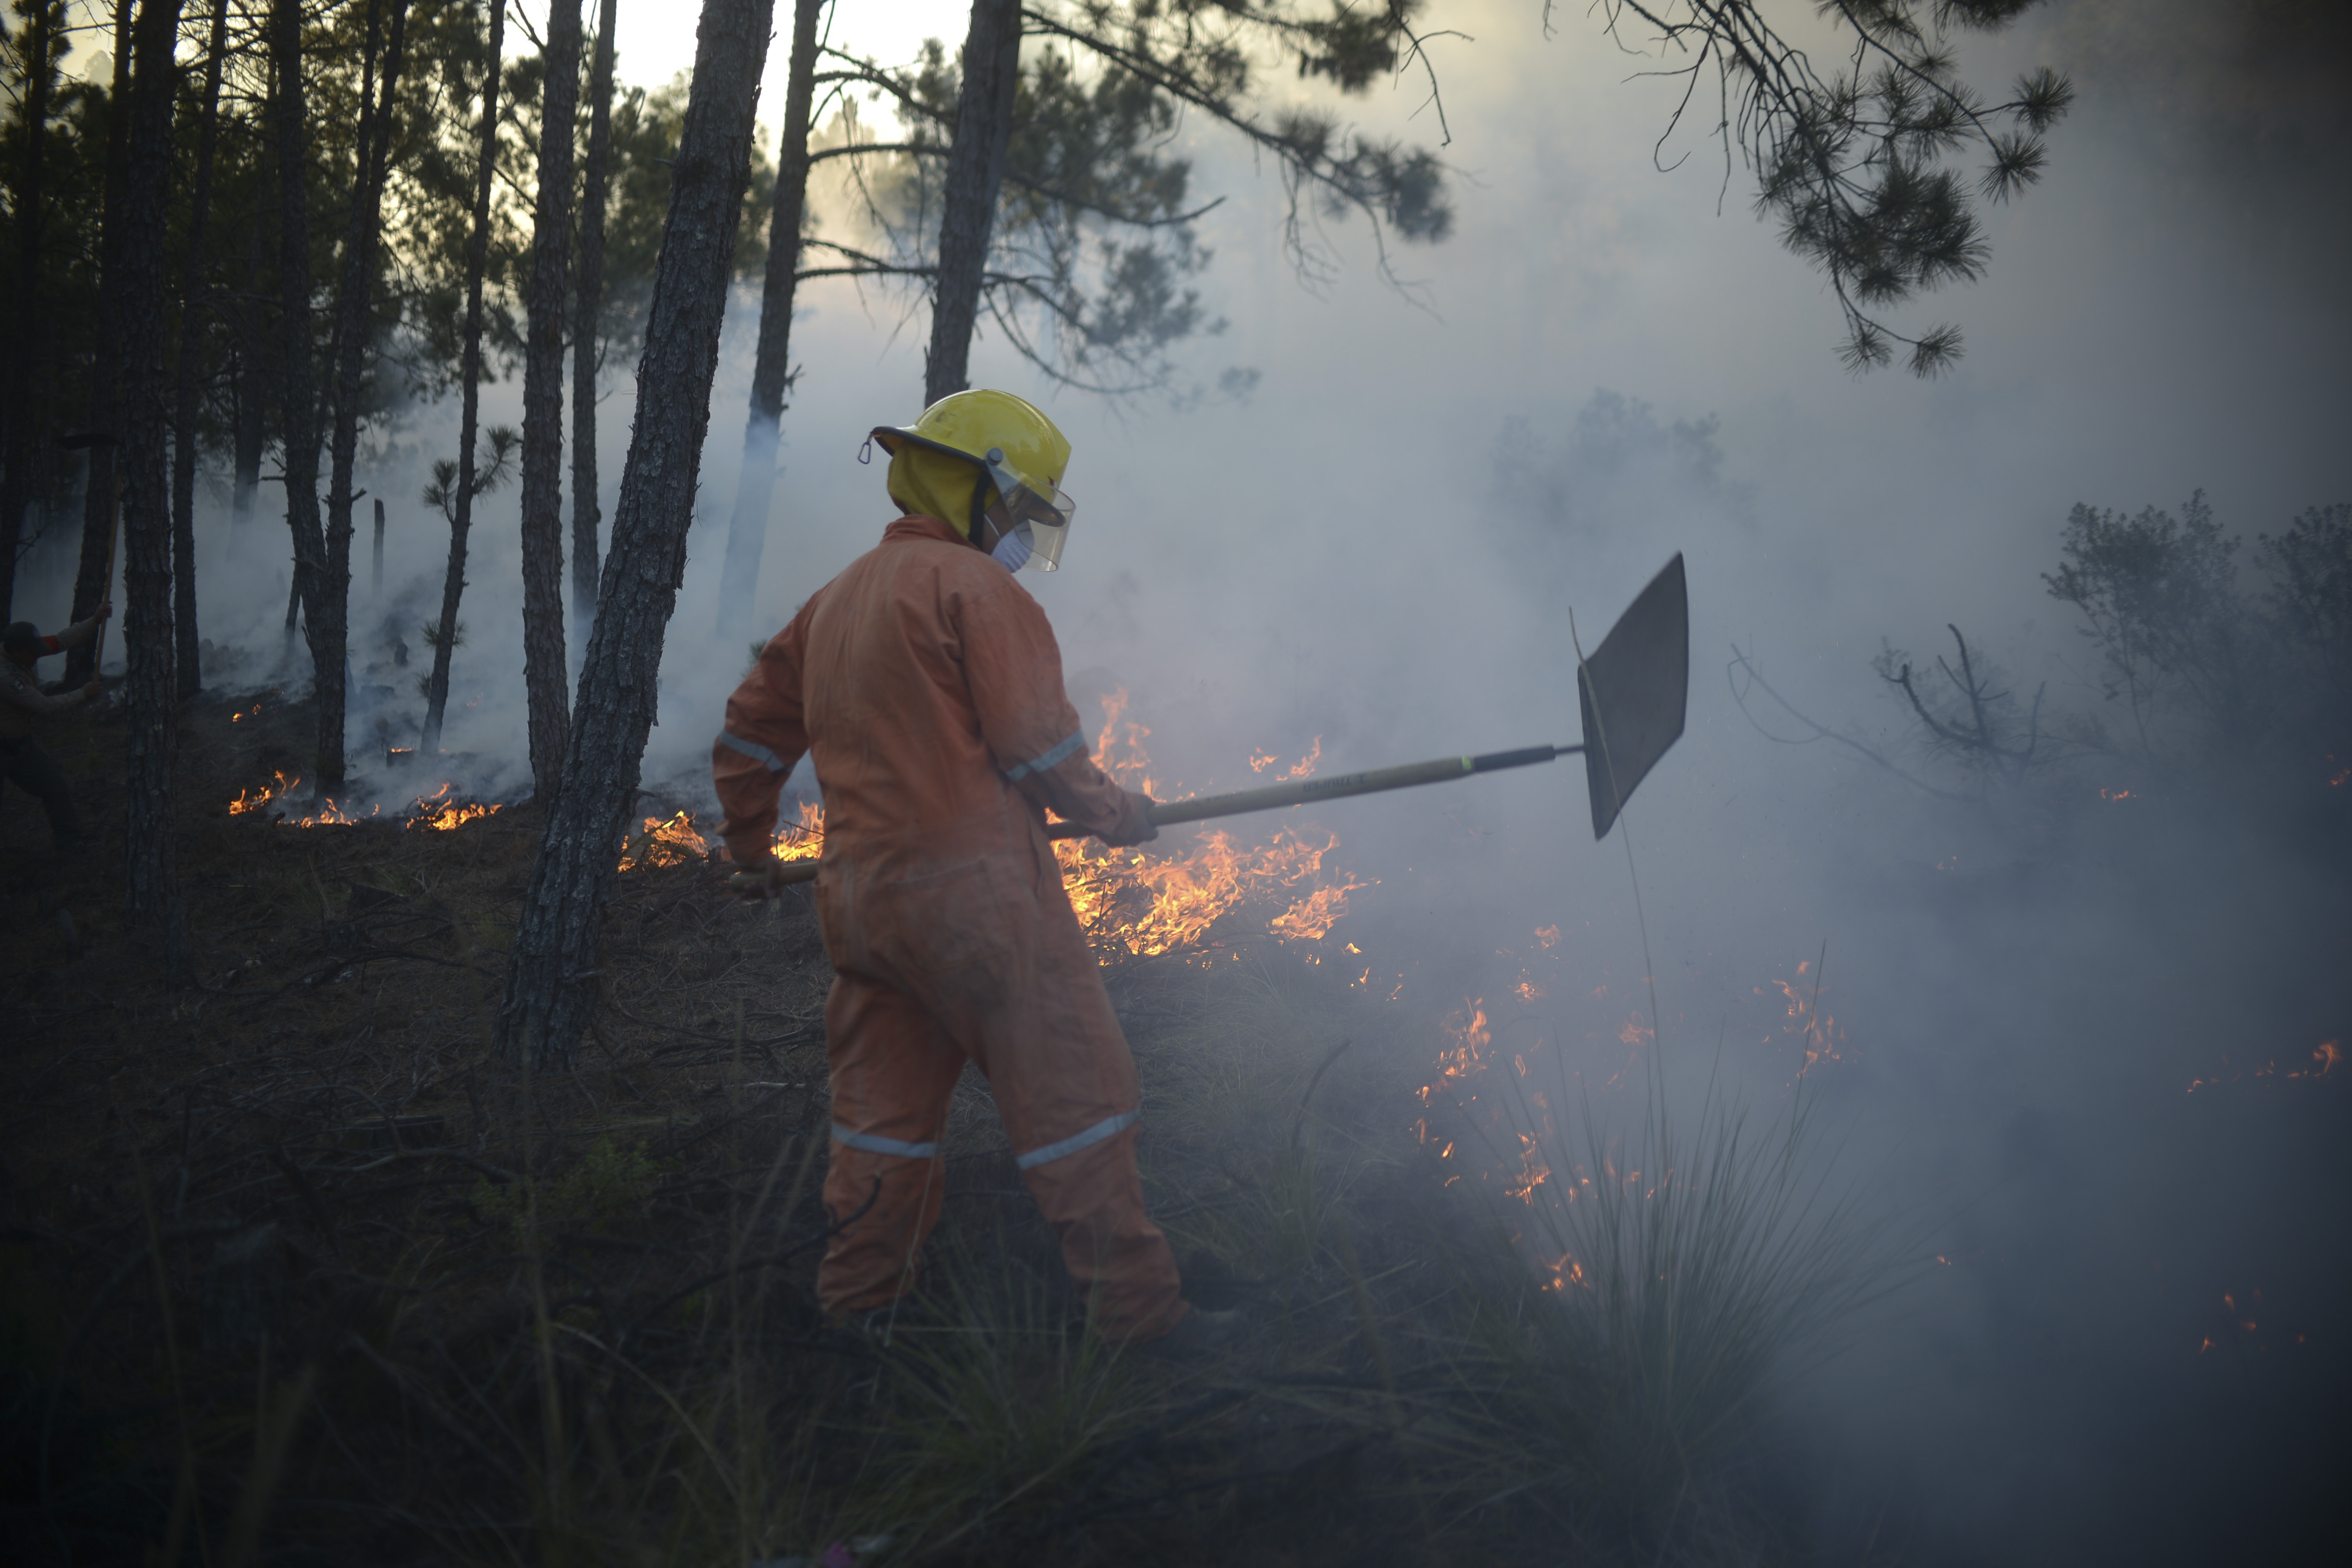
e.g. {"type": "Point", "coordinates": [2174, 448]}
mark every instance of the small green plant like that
{"type": "Point", "coordinates": [442, 494]}
{"type": "Point", "coordinates": [611, 1183]}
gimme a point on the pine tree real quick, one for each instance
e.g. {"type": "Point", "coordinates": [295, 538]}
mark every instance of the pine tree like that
{"type": "Point", "coordinates": [1856, 167]}
{"type": "Point", "coordinates": [186, 657]}
{"type": "Point", "coordinates": [329, 607]}
{"type": "Point", "coordinates": [595, 195]}
{"type": "Point", "coordinates": [770, 365]}
{"type": "Point", "coordinates": [468, 486]}
{"type": "Point", "coordinates": [155, 909]}
{"type": "Point", "coordinates": [545, 666]}
{"type": "Point", "coordinates": [98, 519]}
{"type": "Point", "coordinates": [39, 46]}
{"type": "Point", "coordinates": [297, 389]}
{"type": "Point", "coordinates": [551, 986]}
{"type": "Point", "coordinates": [976, 173]}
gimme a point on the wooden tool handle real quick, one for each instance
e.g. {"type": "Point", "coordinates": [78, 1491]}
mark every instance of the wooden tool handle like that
{"type": "Point", "coordinates": [793, 871]}
{"type": "Point", "coordinates": [1271, 797]}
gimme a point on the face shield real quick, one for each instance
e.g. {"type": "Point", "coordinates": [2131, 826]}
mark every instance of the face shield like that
{"type": "Point", "coordinates": [1037, 508]}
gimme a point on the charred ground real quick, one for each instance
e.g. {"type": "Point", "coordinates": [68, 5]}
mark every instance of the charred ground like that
{"type": "Point", "coordinates": [294, 1270]}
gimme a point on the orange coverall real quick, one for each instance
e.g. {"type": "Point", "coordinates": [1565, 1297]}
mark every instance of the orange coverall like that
{"type": "Point", "coordinates": [928, 686]}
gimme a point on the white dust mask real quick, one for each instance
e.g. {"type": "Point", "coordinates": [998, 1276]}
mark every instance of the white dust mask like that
{"type": "Point", "coordinates": [1012, 551]}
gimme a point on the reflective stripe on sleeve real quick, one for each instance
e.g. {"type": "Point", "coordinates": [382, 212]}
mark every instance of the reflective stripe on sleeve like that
{"type": "Point", "coordinates": [1109, 1127]}
{"type": "Point", "coordinates": [753, 750]}
{"type": "Point", "coordinates": [1038, 764]}
{"type": "Point", "coordinates": [875, 1144]}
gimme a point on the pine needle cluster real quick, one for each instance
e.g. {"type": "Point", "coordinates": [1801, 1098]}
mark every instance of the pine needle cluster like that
{"type": "Point", "coordinates": [1865, 169]}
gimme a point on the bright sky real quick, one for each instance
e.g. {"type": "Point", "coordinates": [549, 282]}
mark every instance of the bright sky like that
{"type": "Point", "coordinates": [656, 37]}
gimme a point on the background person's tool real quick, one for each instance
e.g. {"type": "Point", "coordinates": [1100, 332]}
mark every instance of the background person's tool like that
{"type": "Point", "coordinates": [76, 442]}
{"type": "Point", "coordinates": [1633, 692]}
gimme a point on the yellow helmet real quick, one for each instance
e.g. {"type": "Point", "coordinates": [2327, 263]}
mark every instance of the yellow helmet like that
{"type": "Point", "coordinates": [1017, 453]}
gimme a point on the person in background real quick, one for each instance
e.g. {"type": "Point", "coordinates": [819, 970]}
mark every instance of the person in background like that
{"type": "Point", "coordinates": [22, 701]}
{"type": "Point", "coordinates": [926, 685]}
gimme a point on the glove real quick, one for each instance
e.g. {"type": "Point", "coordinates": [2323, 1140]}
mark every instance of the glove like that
{"type": "Point", "coordinates": [755, 861]}
{"type": "Point", "coordinates": [1134, 824]}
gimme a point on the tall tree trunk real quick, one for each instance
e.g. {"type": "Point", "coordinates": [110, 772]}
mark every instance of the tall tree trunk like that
{"type": "Point", "coordinates": [375, 578]}
{"type": "Point", "coordinates": [991, 70]}
{"type": "Point", "coordinates": [249, 389]}
{"type": "Point", "coordinates": [551, 986]}
{"type": "Point", "coordinates": [187, 669]}
{"type": "Point", "coordinates": [586, 558]}
{"type": "Point", "coordinates": [298, 390]}
{"type": "Point", "coordinates": [98, 502]}
{"type": "Point", "coordinates": [461, 519]}
{"type": "Point", "coordinates": [747, 533]}
{"type": "Point", "coordinates": [27, 409]}
{"type": "Point", "coordinates": [331, 607]}
{"type": "Point", "coordinates": [247, 436]}
{"type": "Point", "coordinates": [156, 908]}
{"type": "Point", "coordinates": [546, 671]}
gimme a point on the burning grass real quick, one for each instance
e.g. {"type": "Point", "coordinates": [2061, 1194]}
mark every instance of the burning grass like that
{"type": "Point", "coordinates": [477, 1316]}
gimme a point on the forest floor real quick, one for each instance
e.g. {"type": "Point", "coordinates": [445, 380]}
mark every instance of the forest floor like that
{"type": "Point", "coordinates": [290, 1269]}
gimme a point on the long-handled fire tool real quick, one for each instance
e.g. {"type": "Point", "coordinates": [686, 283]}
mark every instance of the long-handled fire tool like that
{"type": "Point", "coordinates": [81, 440]}
{"type": "Point", "coordinates": [1632, 690]}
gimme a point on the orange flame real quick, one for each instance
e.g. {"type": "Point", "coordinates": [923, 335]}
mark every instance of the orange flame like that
{"type": "Point", "coordinates": [1566, 1271]}
{"type": "Point", "coordinates": [1261, 761]}
{"type": "Point", "coordinates": [328, 813]}
{"type": "Point", "coordinates": [1533, 1171]}
{"type": "Point", "coordinates": [439, 812]}
{"type": "Point", "coordinates": [247, 800]}
{"type": "Point", "coordinates": [1140, 903]}
{"type": "Point", "coordinates": [1119, 749]}
{"type": "Point", "coordinates": [803, 840]}
{"type": "Point", "coordinates": [671, 842]}
{"type": "Point", "coordinates": [435, 810]}
{"type": "Point", "coordinates": [1822, 1037]}
{"type": "Point", "coordinates": [1130, 902]}
{"type": "Point", "coordinates": [1134, 903]}
{"type": "Point", "coordinates": [1471, 1036]}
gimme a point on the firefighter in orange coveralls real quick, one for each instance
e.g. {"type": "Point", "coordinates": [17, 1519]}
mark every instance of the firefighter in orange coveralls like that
{"type": "Point", "coordinates": [927, 686]}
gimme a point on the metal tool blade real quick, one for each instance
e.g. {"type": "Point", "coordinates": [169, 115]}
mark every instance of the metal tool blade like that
{"type": "Point", "coordinates": [1634, 690]}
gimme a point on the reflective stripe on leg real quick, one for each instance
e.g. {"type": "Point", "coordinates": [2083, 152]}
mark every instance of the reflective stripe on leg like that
{"type": "Point", "coordinates": [873, 1143]}
{"type": "Point", "coordinates": [1109, 1127]}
